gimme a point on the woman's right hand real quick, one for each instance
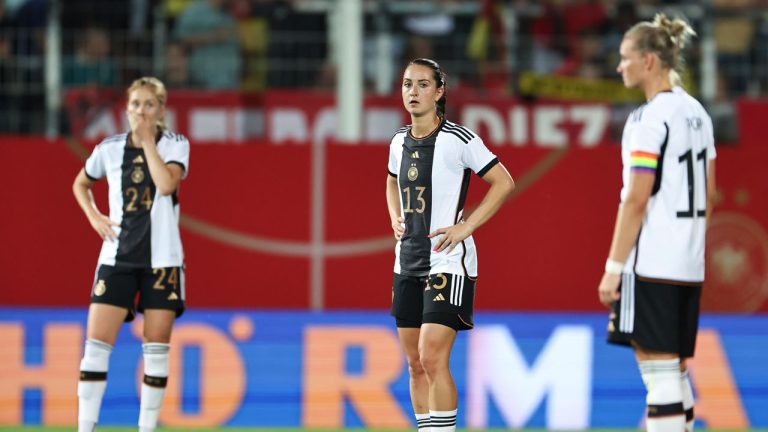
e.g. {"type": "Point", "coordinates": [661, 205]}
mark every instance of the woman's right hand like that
{"type": "Point", "coordinates": [398, 226]}
{"type": "Point", "coordinates": [103, 226]}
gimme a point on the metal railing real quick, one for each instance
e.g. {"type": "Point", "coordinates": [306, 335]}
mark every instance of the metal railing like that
{"type": "Point", "coordinates": [292, 47]}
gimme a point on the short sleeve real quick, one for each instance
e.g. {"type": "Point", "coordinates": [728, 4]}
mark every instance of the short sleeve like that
{"type": "Point", "coordinates": [392, 165]}
{"type": "Point", "coordinates": [649, 134]}
{"type": "Point", "coordinates": [178, 153]}
{"type": "Point", "coordinates": [476, 156]}
{"type": "Point", "coordinates": [95, 165]}
{"type": "Point", "coordinates": [711, 152]}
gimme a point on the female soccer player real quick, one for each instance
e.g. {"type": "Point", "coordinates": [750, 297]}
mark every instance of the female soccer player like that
{"type": "Point", "coordinates": [430, 164]}
{"type": "Point", "coordinates": [141, 254]}
{"type": "Point", "coordinates": [657, 253]}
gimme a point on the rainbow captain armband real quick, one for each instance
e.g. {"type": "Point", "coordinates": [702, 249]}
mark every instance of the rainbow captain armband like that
{"type": "Point", "coordinates": [643, 161]}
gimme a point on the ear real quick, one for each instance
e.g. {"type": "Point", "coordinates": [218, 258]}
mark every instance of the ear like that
{"type": "Point", "coordinates": [650, 60]}
{"type": "Point", "coordinates": [439, 93]}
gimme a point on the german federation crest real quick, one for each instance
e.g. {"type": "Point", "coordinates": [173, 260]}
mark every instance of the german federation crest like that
{"type": "Point", "coordinates": [413, 173]}
{"type": "Point", "coordinates": [137, 176]}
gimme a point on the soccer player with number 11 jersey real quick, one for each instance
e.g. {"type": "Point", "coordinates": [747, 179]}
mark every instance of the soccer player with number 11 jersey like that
{"type": "Point", "coordinates": [655, 267]}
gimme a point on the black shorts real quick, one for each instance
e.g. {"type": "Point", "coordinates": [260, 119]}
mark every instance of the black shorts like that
{"type": "Point", "coordinates": [441, 298]}
{"type": "Point", "coordinates": [656, 316]}
{"type": "Point", "coordinates": [157, 288]}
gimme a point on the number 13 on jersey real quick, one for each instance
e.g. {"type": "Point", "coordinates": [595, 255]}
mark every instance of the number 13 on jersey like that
{"type": "Point", "coordinates": [419, 205]}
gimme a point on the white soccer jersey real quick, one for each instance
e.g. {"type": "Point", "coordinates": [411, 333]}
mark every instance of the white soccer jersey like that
{"type": "Point", "coordinates": [670, 135]}
{"type": "Point", "coordinates": [148, 235]}
{"type": "Point", "coordinates": [433, 175]}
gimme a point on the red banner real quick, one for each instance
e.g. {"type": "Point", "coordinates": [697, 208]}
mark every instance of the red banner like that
{"type": "Point", "coordinates": [279, 117]}
{"type": "Point", "coordinates": [247, 228]}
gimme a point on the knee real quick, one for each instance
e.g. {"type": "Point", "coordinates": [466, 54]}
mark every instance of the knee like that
{"type": "Point", "coordinates": [664, 390]}
{"type": "Point", "coordinates": [431, 362]}
{"type": "Point", "coordinates": [156, 335]}
{"type": "Point", "coordinates": [158, 325]}
{"type": "Point", "coordinates": [95, 356]}
{"type": "Point", "coordinates": [414, 367]}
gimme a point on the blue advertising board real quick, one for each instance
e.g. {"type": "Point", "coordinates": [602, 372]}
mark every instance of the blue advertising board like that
{"type": "Point", "coordinates": [345, 369]}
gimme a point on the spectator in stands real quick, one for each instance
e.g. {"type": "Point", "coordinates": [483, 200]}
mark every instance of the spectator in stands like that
{"type": "Point", "coordinates": [176, 66]}
{"type": "Point", "coordinates": [253, 22]}
{"type": "Point", "coordinates": [556, 28]}
{"type": "Point", "coordinates": [91, 63]}
{"type": "Point", "coordinates": [5, 32]}
{"type": "Point", "coordinates": [487, 47]}
{"type": "Point", "coordinates": [297, 46]}
{"type": "Point", "coordinates": [584, 59]}
{"type": "Point", "coordinates": [434, 35]}
{"type": "Point", "coordinates": [173, 8]}
{"type": "Point", "coordinates": [621, 17]}
{"type": "Point", "coordinates": [80, 14]}
{"type": "Point", "coordinates": [209, 33]}
{"type": "Point", "coordinates": [735, 34]}
{"type": "Point", "coordinates": [28, 49]}
{"type": "Point", "coordinates": [5, 64]}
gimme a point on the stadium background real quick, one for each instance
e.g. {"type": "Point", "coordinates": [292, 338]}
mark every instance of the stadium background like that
{"type": "Point", "coordinates": [289, 250]}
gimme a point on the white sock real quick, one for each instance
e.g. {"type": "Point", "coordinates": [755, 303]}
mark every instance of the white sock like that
{"type": "Point", "coordinates": [665, 395]}
{"type": "Point", "coordinates": [442, 421]}
{"type": "Point", "coordinates": [688, 401]}
{"type": "Point", "coordinates": [93, 382]}
{"type": "Point", "coordinates": [86, 426]}
{"type": "Point", "coordinates": [153, 387]}
{"type": "Point", "coordinates": [422, 421]}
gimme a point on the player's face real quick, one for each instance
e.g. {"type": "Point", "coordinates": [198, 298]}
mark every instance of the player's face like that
{"type": "Point", "coordinates": [632, 63]}
{"type": "Point", "coordinates": [420, 92]}
{"type": "Point", "coordinates": [143, 102]}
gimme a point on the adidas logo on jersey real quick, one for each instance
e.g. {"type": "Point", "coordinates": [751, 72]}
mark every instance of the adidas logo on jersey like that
{"type": "Point", "coordinates": [415, 155]}
{"type": "Point", "coordinates": [173, 296]}
{"type": "Point", "coordinates": [439, 297]}
{"type": "Point", "coordinates": [138, 159]}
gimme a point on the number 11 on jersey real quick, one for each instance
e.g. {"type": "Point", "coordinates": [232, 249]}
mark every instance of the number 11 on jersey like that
{"type": "Point", "coordinates": [687, 158]}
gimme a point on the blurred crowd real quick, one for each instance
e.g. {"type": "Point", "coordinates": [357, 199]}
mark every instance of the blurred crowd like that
{"type": "Point", "coordinates": [251, 45]}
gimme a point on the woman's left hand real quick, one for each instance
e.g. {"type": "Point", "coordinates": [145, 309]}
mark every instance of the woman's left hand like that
{"type": "Point", "coordinates": [451, 236]}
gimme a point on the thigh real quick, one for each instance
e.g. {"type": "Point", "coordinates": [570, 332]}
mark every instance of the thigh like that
{"type": "Point", "coordinates": [436, 341]}
{"type": "Point", "coordinates": [158, 325]}
{"type": "Point", "coordinates": [449, 300]}
{"type": "Point", "coordinates": [116, 286]}
{"type": "Point", "coordinates": [104, 321]}
{"type": "Point", "coordinates": [409, 340]}
{"type": "Point", "coordinates": [162, 288]}
{"type": "Point", "coordinates": [407, 300]}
